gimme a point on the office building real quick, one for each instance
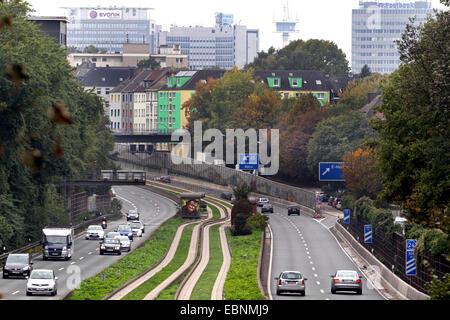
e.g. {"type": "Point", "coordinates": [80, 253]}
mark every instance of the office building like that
{"type": "Point", "coordinates": [107, 28]}
{"type": "Point", "coordinates": [225, 45]}
{"type": "Point", "coordinates": [375, 27]}
{"type": "Point", "coordinates": [54, 27]}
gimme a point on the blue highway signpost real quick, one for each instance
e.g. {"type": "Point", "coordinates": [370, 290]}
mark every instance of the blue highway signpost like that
{"type": "Point", "coordinates": [367, 233]}
{"type": "Point", "coordinates": [411, 268]}
{"type": "Point", "coordinates": [346, 215]}
{"type": "Point", "coordinates": [248, 162]}
{"type": "Point", "coordinates": [330, 171]}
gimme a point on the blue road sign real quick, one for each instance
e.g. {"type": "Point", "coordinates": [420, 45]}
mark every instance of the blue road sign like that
{"type": "Point", "coordinates": [410, 265]}
{"type": "Point", "coordinates": [248, 162]}
{"type": "Point", "coordinates": [330, 171]}
{"type": "Point", "coordinates": [346, 215]}
{"type": "Point", "coordinates": [368, 233]}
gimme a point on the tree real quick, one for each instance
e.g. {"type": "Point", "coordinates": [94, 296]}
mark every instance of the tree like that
{"type": "Point", "coordinates": [149, 63]}
{"type": "Point", "coordinates": [365, 71]}
{"type": "Point", "coordinates": [50, 128]}
{"type": "Point", "coordinates": [415, 137]}
{"type": "Point", "coordinates": [300, 55]}
{"type": "Point", "coordinates": [72, 49]}
{"type": "Point", "coordinates": [296, 128]}
{"type": "Point", "coordinates": [241, 191]}
{"type": "Point", "coordinates": [91, 49]}
{"type": "Point", "coordinates": [362, 177]}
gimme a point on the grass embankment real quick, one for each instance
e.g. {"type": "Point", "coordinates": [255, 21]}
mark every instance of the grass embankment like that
{"type": "Point", "coordinates": [131, 265]}
{"type": "Point", "coordinates": [180, 256]}
{"type": "Point", "coordinates": [242, 279]}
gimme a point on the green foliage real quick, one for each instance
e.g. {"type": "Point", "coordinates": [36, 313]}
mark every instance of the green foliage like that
{"type": "Point", "coordinates": [149, 63]}
{"type": "Point", "coordinates": [257, 222]}
{"type": "Point", "coordinates": [300, 55]}
{"type": "Point", "coordinates": [91, 49]}
{"type": "Point", "coordinates": [415, 137]}
{"type": "Point", "coordinates": [365, 71]}
{"type": "Point", "coordinates": [432, 241]}
{"type": "Point", "coordinates": [241, 210]}
{"type": "Point", "coordinates": [242, 278]}
{"type": "Point", "coordinates": [348, 202]}
{"type": "Point", "coordinates": [241, 191]}
{"type": "Point", "coordinates": [439, 289]}
{"type": "Point", "coordinates": [49, 128]}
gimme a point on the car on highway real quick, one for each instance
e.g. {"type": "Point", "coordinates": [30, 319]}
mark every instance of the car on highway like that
{"type": "Point", "coordinates": [262, 201]}
{"type": "Point", "coordinates": [291, 281]}
{"type": "Point", "coordinates": [293, 209]}
{"type": "Point", "coordinates": [95, 232]}
{"type": "Point", "coordinates": [125, 230]}
{"type": "Point", "coordinates": [165, 179]}
{"type": "Point", "coordinates": [110, 245]}
{"type": "Point", "coordinates": [226, 195]}
{"type": "Point", "coordinates": [17, 265]}
{"type": "Point", "coordinates": [138, 228]}
{"type": "Point", "coordinates": [125, 243]}
{"type": "Point", "coordinates": [112, 235]}
{"type": "Point", "coordinates": [267, 208]}
{"type": "Point", "coordinates": [346, 280]}
{"type": "Point", "coordinates": [42, 281]}
{"type": "Point", "coordinates": [132, 215]}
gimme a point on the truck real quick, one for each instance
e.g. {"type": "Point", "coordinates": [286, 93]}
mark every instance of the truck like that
{"type": "Point", "coordinates": [57, 243]}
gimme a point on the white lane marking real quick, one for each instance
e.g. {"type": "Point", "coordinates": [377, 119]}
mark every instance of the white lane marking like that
{"type": "Point", "coordinates": [72, 263]}
{"type": "Point", "coordinates": [307, 252]}
{"type": "Point", "coordinates": [60, 269]}
{"type": "Point", "coordinates": [309, 257]}
{"type": "Point", "coordinates": [315, 275]}
{"type": "Point", "coordinates": [81, 258]}
{"type": "Point", "coordinates": [96, 249]}
{"type": "Point", "coordinates": [321, 291]}
{"type": "Point", "coordinates": [15, 292]}
{"type": "Point", "coordinates": [318, 283]}
{"type": "Point", "coordinates": [314, 269]}
{"type": "Point", "coordinates": [90, 253]}
{"type": "Point", "coordinates": [311, 262]}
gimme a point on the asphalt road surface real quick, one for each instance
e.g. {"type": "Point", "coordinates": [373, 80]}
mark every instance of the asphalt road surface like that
{"type": "Point", "coordinates": [305, 244]}
{"type": "Point", "coordinates": [87, 261]}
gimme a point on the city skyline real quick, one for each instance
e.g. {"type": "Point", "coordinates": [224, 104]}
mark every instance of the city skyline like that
{"type": "Point", "coordinates": [333, 22]}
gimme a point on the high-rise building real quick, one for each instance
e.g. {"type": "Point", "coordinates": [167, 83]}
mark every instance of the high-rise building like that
{"type": "Point", "coordinates": [225, 45]}
{"type": "Point", "coordinates": [107, 28]}
{"type": "Point", "coordinates": [375, 27]}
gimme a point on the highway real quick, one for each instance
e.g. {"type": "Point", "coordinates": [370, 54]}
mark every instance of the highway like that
{"type": "Point", "coordinates": [86, 262]}
{"type": "Point", "coordinates": [302, 243]}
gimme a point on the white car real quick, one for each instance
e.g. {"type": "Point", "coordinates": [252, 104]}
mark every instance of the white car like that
{"type": "Point", "coordinates": [112, 235]}
{"type": "Point", "coordinates": [262, 201]}
{"type": "Point", "coordinates": [95, 232]}
{"type": "Point", "coordinates": [125, 243]}
{"type": "Point", "coordinates": [137, 227]}
{"type": "Point", "coordinates": [42, 281]}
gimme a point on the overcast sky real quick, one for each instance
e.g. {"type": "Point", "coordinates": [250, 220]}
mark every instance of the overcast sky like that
{"type": "Point", "coordinates": [318, 19]}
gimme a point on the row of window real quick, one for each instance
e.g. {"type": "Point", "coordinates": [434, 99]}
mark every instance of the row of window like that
{"type": "Point", "coordinates": [369, 62]}
{"type": "Point", "coordinates": [400, 31]}
{"type": "Point", "coordinates": [374, 39]}
{"type": "Point", "coordinates": [373, 54]}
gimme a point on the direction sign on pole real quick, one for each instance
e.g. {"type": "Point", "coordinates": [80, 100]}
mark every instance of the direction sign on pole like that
{"type": "Point", "coordinates": [248, 162]}
{"type": "Point", "coordinates": [330, 171]}
{"type": "Point", "coordinates": [411, 269]}
{"type": "Point", "coordinates": [346, 215]}
{"type": "Point", "coordinates": [367, 233]}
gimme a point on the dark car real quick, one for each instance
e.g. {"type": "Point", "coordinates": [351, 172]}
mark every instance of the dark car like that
{"type": "Point", "coordinates": [17, 265]}
{"type": "Point", "coordinates": [226, 195]}
{"type": "Point", "coordinates": [293, 210]}
{"type": "Point", "coordinates": [132, 215]}
{"type": "Point", "coordinates": [267, 208]}
{"type": "Point", "coordinates": [165, 179]}
{"type": "Point", "coordinates": [110, 246]}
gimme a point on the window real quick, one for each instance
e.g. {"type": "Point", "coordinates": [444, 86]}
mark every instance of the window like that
{"type": "Point", "coordinates": [286, 95]}
{"type": "Point", "coordinates": [276, 82]}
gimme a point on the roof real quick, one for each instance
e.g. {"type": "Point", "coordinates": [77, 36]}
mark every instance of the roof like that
{"type": "Point", "coordinates": [106, 76]}
{"type": "Point", "coordinates": [313, 80]}
{"type": "Point", "coordinates": [196, 76]}
{"type": "Point", "coordinates": [50, 231]}
{"type": "Point", "coordinates": [137, 83]}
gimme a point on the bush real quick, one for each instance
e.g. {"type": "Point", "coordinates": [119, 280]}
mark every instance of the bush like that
{"type": "Point", "coordinates": [240, 227]}
{"type": "Point", "coordinates": [242, 206]}
{"type": "Point", "coordinates": [257, 222]}
{"type": "Point", "coordinates": [241, 191]}
{"type": "Point", "coordinates": [348, 202]}
{"type": "Point", "coordinates": [439, 289]}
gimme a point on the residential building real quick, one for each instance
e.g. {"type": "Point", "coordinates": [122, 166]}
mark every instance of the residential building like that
{"type": "Point", "coordinates": [375, 28]}
{"type": "Point", "coordinates": [107, 28]}
{"type": "Point", "coordinates": [224, 45]}
{"type": "Point", "coordinates": [292, 83]}
{"type": "Point", "coordinates": [54, 27]}
{"type": "Point", "coordinates": [103, 80]}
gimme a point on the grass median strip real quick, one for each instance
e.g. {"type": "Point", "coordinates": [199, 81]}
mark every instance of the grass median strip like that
{"type": "Point", "coordinates": [131, 265]}
{"type": "Point", "coordinates": [180, 256]}
{"type": "Point", "coordinates": [242, 279]}
{"type": "Point", "coordinates": [205, 284]}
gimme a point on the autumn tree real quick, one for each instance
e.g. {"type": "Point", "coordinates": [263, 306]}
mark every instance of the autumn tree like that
{"type": "Point", "coordinates": [362, 177]}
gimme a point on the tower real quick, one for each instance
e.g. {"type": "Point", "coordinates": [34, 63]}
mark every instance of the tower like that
{"type": "Point", "coordinates": [286, 26]}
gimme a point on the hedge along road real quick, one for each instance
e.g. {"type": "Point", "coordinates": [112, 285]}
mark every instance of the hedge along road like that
{"type": "Point", "coordinates": [87, 261]}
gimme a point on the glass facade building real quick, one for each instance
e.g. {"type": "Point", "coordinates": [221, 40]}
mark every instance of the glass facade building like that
{"type": "Point", "coordinates": [107, 28]}
{"type": "Point", "coordinates": [375, 27]}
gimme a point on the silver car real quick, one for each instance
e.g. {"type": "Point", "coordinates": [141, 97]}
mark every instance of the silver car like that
{"type": "Point", "coordinates": [291, 281]}
{"type": "Point", "coordinates": [346, 280]}
{"type": "Point", "coordinates": [42, 281]}
{"type": "Point", "coordinates": [125, 243]}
